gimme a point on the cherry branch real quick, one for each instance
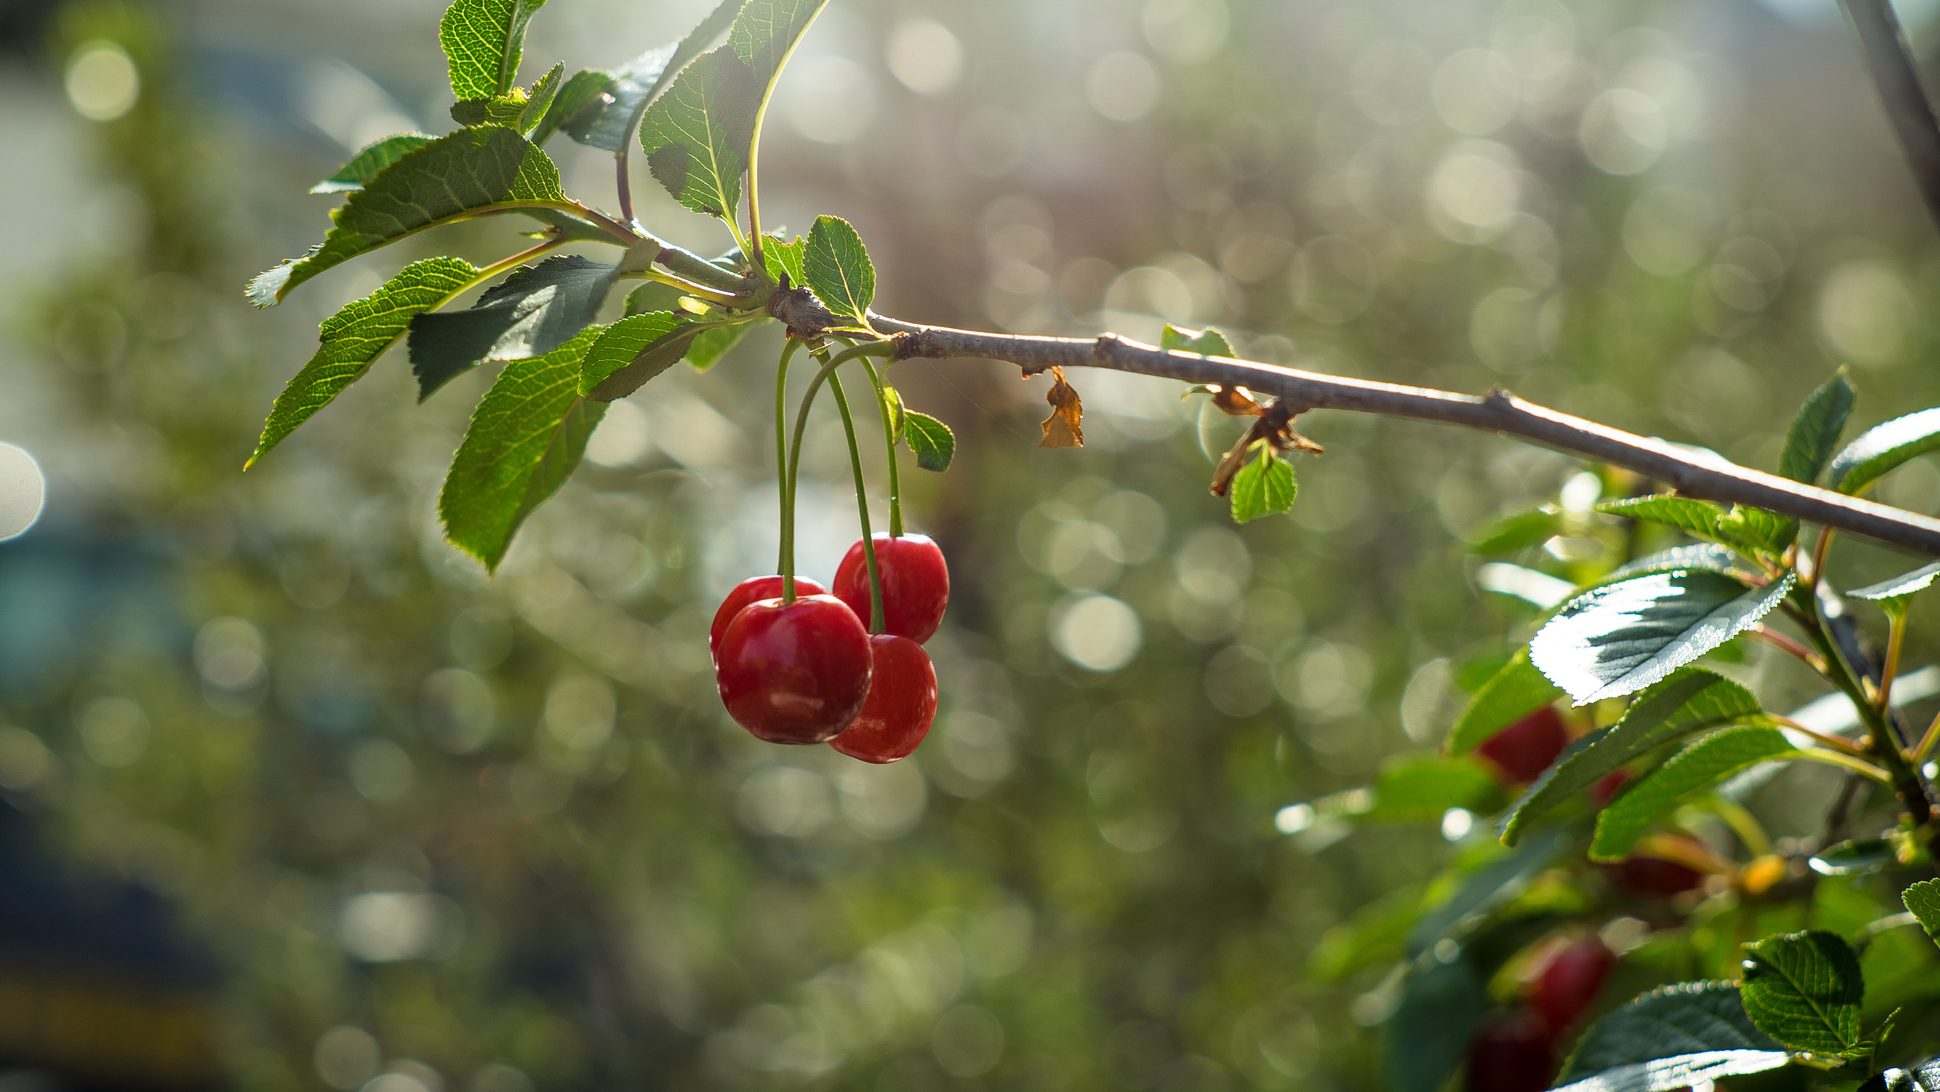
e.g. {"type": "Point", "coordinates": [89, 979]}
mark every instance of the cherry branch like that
{"type": "Point", "coordinates": [1906, 102]}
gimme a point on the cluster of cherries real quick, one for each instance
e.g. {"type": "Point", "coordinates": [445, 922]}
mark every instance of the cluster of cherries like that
{"type": "Point", "coordinates": [1517, 1051]}
{"type": "Point", "coordinates": [798, 665]}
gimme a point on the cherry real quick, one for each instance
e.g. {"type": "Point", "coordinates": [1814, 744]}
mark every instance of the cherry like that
{"type": "Point", "coordinates": [1567, 984]}
{"type": "Point", "coordinates": [747, 591]}
{"type": "Point", "coordinates": [1524, 749]}
{"type": "Point", "coordinates": [794, 672]}
{"type": "Point", "coordinates": [1511, 1053]}
{"type": "Point", "coordinates": [1657, 877]}
{"type": "Point", "coordinates": [901, 703]}
{"type": "Point", "coordinates": [1606, 788]}
{"type": "Point", "coordinates": [915, 584]}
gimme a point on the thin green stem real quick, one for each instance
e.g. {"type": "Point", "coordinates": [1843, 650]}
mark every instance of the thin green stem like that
{"type": "Point", "coordinates": [889, 448]}
{"type": "Point", "coordinates": [1788, 646]}
{"type": "Point", "coordinates": [1824, 739]}
{"type": "Point", "coordinates": [513, 261]}
{"type": "Point", "coordinates": [801, 429]}
{"type": "Point", "coordinates": [861, 503]}
{"type": "Point", "coordinates": [784, 486]}
{"type": "Point", "coordinates": [738, 300]}
{"type": "Point", "coordinates": [1744, 824]}
{"type": "Point", "coordinates": [1895, 641]}
{"type": "Point", "coordinates": [1903, 778]}
{"type": "Point", "coordinates": [1848, 762]}
{"type": "Point", "coordinates": [1927, 743]}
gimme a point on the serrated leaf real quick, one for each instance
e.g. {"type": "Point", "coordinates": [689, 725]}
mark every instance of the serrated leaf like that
{"type": "Point", "coordinates": [788, 257]}
{"type": "Point", "coordinates": [1622, 637]}
{"type": "Point", "coordinates": [1883, 448]}
{"type": "Point", "coordinates": [1263, 487]}
{"type": "Point", "coordinates": [893, 398]}
{"type": "Point", "coordinates": [1690, 1018]}
{"type": "Point", "coordinates": [838, 269]}
{"type": "Point", "coordinates": [1682, 1072]}
{"type": "Point", "coordinates": [483, 41]}
{"type": "Point", "coordinates": [580, 95]}
{"type": "Point", "coordinates": [765, 32]}
{"type": "Point", "coordinates": [1924, 1077]}
{"type": "Point", "coordinates": [1815, 430]}
{"type": "Point", "coordinates": [632, 351]}
{"type": "Point", "coordinates": [1708, 762]}
{"type": "Point", "coordinates": [1207, 342]}
{"type": "Point", "coordinates": [1510, 694]}
{"type": "Point", "coordinates": [526, 436]}
{"type": "Point", "coordinates": [1900, 587]}
{"type": "Point", "coordinates": [515, 109]}
{"type": "Point", "coordinates": [534, 311]}
{"type": "Point", "coordinates": [1759, 530]}
{"type": "Point", "coordinates": [467, 173]}
{"type": "Point", "coordinates": [696, 134]}
{"type": "Point", "coordinates": [1708, 556]}
{"type": "Point", "coordinates": [355, 336]}
{"type": "Point", "coordinates": [1693, 517]}
{"type": "Point", "coordinates": [712, 344]}
{"type": "Point", "coordinates": [1689, 701]}
{"type": "Point", "coordinates": [1923, 899]}
{"type": "Point", "coordinates": [369, 163]}
{"type": "Point", "coordinates": [1805, 990]}
{"type": "Point", "coordinates": [1855, 858]}
{"type": "Point", "coordinates": [932, 441]}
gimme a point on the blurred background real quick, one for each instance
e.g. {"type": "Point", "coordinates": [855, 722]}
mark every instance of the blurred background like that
{"type": "Point", "coordinates": [293, 796]}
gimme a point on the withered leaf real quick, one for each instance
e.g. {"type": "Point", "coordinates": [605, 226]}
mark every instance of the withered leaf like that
{"type": "Point", "coordinates": [1065, 426]}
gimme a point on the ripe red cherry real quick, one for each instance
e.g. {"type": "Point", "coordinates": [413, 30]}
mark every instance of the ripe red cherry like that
{"type": "Point", "coordinates": [1511, 1053]}
{"type": "Point", "coordinates": [1606, 788]}
{"type": "Point", "coordinates": [747, 591]}
{"type": "Point", "coordinates": [1567, 985]}
{"type": "Point", "coordinates": [1657, 877]}
{"type": "Point", "coordinates": [1524, 749]}
{"type": "Point", "coordinates": [794, 672]}
{"type": "Point", "coordinates": [900, 706]}
{"type": "Point", "coordinates": [915, 584]}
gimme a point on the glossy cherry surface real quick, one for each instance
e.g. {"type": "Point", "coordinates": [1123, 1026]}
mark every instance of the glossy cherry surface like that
{"type": "Point", "coordinates": [747, 591]}
{"type": "Point", "coordinates": [901, 703]}
{"type": "Point", "coordinates": [1524, 749]}
{"type": "Point", "coordinates": [1512, 1053]}
{"type": "Point", "coordinates": [795, 672]}
{"type": "Point", "coordinates": [915, 584]}
{"type": "Point", "coordinates": [1567, 985]}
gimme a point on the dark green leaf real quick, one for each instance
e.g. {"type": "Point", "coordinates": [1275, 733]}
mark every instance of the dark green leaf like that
{"type": "Point", "coordinates": [580, 96]}
{"type": "Point", "coordinates": [696, 135]}
{"type": "Point", "coordinates": [787, 258]}
{"type": "Point", "coordinates": [1882, 448]}
{"type": "Point", "coordinates": [932, 441]}
{"type": "Point", "coordinates": [838, 269]}
{"type": "Point", "coordinates": [1263, 487]}
{"type": "Point", "coordinates": [483, 41]}
{"type": "Point", "coordinates": [1422, 788]}
{"type": "Point", "coordinates": [634, 350]}
{"type": "Point", "coordinates": [533, 312]}
{"type": "Point", "coordinates": [1694, 517]}
{"type": "Point", "coordinates": [610, 124]}
{"type": "Point", "coordinates": [1900, 587]}
{"type": "Point", "coordinates": [1690, 701]}
{"type": "Point", "coordinates": [1622, 637]}
{"type": "Point", "coordinates": [357, 335]}
{"type": "Point", "coordinates": [1804, 990]}
{"type": "Point", "coordinates": [1441, 1006]}
{"type": "Point", "coordinates": [370, 162]}
{"type": "Point", "coordinates": [1814, 434]}
{"type": "Point", "coordinates": [526, 437]}
{"type": "Point", "coordinates": [1855, 858]}
{"type": "Point", "coordinates": [1511, 693]}
{"type": "Point", "coordinates": [1758, 530]}
{"type": "Point", "coordinates": [1689, 772]}
{"type": "Point", "coordinates": [515, 109]}
{"type": "Point", "coordinates": [712, 344]}
{"type": "Point", "coordinates": [765, 32]}
{"type": "Point", "coordinates": [1682, 1072]}
{"type": "Point", "coordinates": [1207, 342]}
{"type": "Point", "coordinates": [1517, 532]}
{"type": "Point", "coordinates": [1923, 899]}
{"type": "Point", "coordinates": [1924, 1077]}
{"type": "Point", "coordinates": [1690, 1018]}
{"type": "Point", "coordinates": [463, 174]}
{"type": "Point", "coordinates": [1704, 555]}
{"type": "Point", "coordinates": [1485, 889]}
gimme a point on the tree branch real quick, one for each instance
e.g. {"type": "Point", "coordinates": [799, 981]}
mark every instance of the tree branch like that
{"type": "Point", "coordinates": [1907, 105]}
{"type": "Point", "coordinates": [1691, 472]}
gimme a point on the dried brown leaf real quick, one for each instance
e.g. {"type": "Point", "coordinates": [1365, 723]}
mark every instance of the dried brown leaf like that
{"type": "Point", "coordinates": [1065, 426]}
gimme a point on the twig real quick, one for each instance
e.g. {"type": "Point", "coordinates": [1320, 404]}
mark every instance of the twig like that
{"type": "Point", "coordinates": [1907, 105]}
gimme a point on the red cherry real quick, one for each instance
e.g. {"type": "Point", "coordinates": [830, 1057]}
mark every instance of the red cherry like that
{"type": "Point", "coordinates": [1657, 877]}
{"type": "Point", "coordinates": [747, 591]}
{"type": "Point", "coordinates": [1569, 980]}
{"type": "Point", "coordinates": [1524, 749]}
{"type": "Point", "coordinates": [1511, 1053]}
{"type": "Point", "coordinates": [901, 703]}
{"type": "Point", "coordinates": [915, 584]}
{"type": "Point", "coordinates": [794, 672]}
{"type": "Point", "coordinates": [1606, 787]}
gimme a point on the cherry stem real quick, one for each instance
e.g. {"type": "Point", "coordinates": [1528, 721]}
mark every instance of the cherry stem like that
{"type": "Point", "coordinates": [1895, 641]}
{"type": "Point", "coordinates": [784, 484]}
{"type": "Point", "coordinates": [795, 457]}
{"type": "Point", "coordinates": [889, 448]}
{"type": "Point", "coordinates": [862, 505]}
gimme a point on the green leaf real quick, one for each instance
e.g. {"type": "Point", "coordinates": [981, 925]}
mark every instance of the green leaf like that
{"type": "Point", "coordinates": [1883, 448]}
{"type": "Point", "coordinates": [1900, 587]}
{"type": "Point", "coordinates": [1622, 637]}
{"type": "Point", "coordinates": [1420, 788]}
{"type": "Point", "coordinates": [1815, 430]}
{"type": "Point", "coordinates": [1512, 693]}
{"type": "Point", "coordinates": [894, 399]}
{"type": "Point", "coordinates": [515, 109]}
{"type": "Point", "coordinates": [712, 344]}
{"type": "Point", "coordinates": [1923, 899]}
{"type": "Point", "coordinates": [765, 32]}
{"type": "Point", "coordinates": [355, 336]}
{"type": "Point", "coordinates": [1682, 1072]}
{"type": "Point", "coordinates": [1689, 701]}
{"type": "Point", "coordinates": [932, 441]}
{"type": "Point", "coordinates": [1758, 530]}
{"type": "Point", "coordinates": [526, 437]}
{"type": "Point", "coordinates": [1440, 1007]}
{"type": "Point", "coordinates": [788, 257]}
{"type": "Point", "coordinates": [534, 311]}
{"type": "Point", "coordinates": [1924, 1077]}
{"type": "Point", "coordinates": [696, 135]}
{"type": "Point", "coordinates": [1207, 342]}
{"type": "Point", "coordinates": [1708, 762]}
{"type": "Point", "coordinates": [1694, 517]}
{"type": "Point", "coordinates": [838, 269]}
{"type": "Point", "coordinates": [483, 41]}
{"type": "Point", "coordinates": [370, 162]}
{"type": "Point", "coordinates": [1263, 487]}
{"type": "Point", "coordinates": [464, 174]}
{"type": "Point", "coordinates": [638, 82]}
{"type": "Point", "coordinates": [634, 350]}
{"type": "Point", "coordinates": [1485, 889]}
{"type": "Point", "coordinates": [1516, 532]}
{"type": "Point", "coordinates": [1669, 1023]}
{"type": "Point", "coordinates": [579, 97]}
{"type": "Point", "coordinates": [1703, 555]}
{"type": "Point", "coordinates": [1804, 990]}
{"type": "Point", "coordinates": [1855, 858]}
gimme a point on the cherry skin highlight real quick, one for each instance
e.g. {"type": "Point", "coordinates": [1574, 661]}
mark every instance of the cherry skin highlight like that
{"type": "Point", "coordinates": [747, 591]}
{"type": "Point", "coordinates": [794, 672]}
{"type": "Point", "coordinates": [901, 703]}
{"type": "Point", "coordinates": [1523, 750]}
{"type": "Point", "coordinates": [915, 584]}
